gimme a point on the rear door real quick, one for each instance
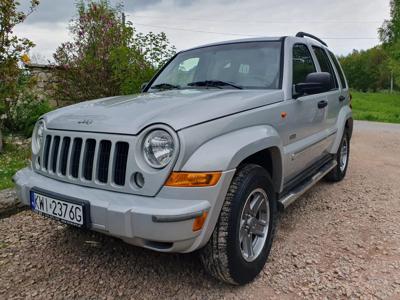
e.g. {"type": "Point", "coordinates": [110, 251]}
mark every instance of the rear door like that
{"type": "Point", "coordinates": [344, 97]}
{"type": "Point", "coordinates": [333, 97]}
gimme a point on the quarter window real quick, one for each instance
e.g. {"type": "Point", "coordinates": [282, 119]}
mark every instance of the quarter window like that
{"type": "Point", "coordinates": [302, 63]}
{"type": "Point", "coordinates": [325, 65]}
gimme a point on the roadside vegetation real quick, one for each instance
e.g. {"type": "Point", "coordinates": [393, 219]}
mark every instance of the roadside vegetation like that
{"type": "Point", "coordinates": [13, 158]}
{"type": "Point", "coordinates": [380, 107]}
{"type": "Point", "coordinates": [378, 68]}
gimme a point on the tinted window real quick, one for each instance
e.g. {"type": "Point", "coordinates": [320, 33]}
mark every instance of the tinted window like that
{"type": "Point", "coordinates": [325, 65]}
{"type": "Point", "coordinates": [302, 63]}
{"type": "Point", "coordinates": [252, 65]}
{"type": "Point", "coordinates": [339, 70]}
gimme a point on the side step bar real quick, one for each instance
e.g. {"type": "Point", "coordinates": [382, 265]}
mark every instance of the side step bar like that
{"type": "Point", "coordinates": [294, 194]}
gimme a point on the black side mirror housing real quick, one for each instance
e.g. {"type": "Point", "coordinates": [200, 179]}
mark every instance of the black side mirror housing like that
{"type": "Point", "coordinates": [314, 83]}
{"type": "Point", "coordinates": [143, 86]}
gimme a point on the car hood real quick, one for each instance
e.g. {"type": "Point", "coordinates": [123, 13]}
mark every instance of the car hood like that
{"type": "Point", "coordinates": [176, 108]}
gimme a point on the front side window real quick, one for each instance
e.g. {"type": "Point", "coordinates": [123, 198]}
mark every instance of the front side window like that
{"type": "Point", "coordinates": [249, 65]}
{"type": "Point", "coordinates": [302, 63]}
{"type": "Point", "coordinates": [325, 65]}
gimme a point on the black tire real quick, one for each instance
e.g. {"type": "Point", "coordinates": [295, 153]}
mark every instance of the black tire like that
{"type": "Point", "coordinates": [338, 173]}
{"type": "Point", "coordinates": [222, 256]}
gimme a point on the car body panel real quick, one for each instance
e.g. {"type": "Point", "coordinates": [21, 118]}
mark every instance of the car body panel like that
{"type": "Point", "coordinates": [177, 108]}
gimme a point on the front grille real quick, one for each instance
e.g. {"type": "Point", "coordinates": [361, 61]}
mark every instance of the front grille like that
{"type": "Point", "coordinates": [95, 160]}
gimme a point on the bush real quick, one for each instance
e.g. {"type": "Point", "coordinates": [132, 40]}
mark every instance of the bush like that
{"type": "Point", "coordinates": [106, 56]}
{"type": "Point", "coordinates": [24, 113]}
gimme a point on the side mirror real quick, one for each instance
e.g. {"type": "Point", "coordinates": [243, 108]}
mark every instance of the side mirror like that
{"type": "Point", "coordinates": [143, 86]}
{"type": "Point", "coordinates": [314, 83]}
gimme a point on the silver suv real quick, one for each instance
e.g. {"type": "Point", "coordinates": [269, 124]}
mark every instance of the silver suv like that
{"type": "Point", "coordinates": [220, 139]}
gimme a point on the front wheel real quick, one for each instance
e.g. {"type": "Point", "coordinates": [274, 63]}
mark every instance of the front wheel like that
{"type": "Point", "coordinates": [240, 244]}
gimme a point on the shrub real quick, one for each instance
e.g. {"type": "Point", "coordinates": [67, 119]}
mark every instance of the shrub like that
{"type": "Point", "coordinates": [106, 56]}
{"type": "Point", "coordinates": [25, 111]}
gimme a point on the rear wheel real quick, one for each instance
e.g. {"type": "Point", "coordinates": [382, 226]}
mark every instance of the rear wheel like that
{"type": "Point", "coordinates": [342, 158]}
{"type": "Point", "coordinates": [242, 239]}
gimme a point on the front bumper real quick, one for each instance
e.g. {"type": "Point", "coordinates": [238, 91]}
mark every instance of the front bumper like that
{"type": "Point", "coordinates": [162, 223]}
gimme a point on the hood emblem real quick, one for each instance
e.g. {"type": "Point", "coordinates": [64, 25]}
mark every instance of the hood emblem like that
{"type": "Point", "coordinates": [85, 122]}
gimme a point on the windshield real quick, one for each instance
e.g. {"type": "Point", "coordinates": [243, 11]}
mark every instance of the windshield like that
{"type": "Point", "coordinates": [249, 65]}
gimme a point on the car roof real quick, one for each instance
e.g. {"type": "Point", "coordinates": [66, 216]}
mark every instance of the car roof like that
{"type": "Point", "coordinates": [262, 39]}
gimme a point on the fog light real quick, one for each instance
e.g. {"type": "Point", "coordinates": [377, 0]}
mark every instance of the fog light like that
{"type": "Point", "coordinates": [139, 179]}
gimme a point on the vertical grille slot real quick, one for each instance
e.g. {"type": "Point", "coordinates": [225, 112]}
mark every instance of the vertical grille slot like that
{"type": "Point", "coordinates": [104, 161]}
{"type": "Point", "coordinates": [121, 158]}
{"type": "Point", "coordinates": [76, 154]}
{"type": "Point", "coordinates": [88, 160]}
{"type": "Point", "coordinates": [54, 155]}
{"type": "Point", "coordinates": [46, 151]}
{"type": "Point", "coordinates": [64, 155]}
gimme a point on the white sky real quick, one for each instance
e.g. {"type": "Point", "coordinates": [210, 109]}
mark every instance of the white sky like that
{"type": "Point", "coordinates": [344, 25]}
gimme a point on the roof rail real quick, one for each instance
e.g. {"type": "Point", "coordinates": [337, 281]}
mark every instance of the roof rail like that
{"type": "Point", "coordinates": [305, 34]}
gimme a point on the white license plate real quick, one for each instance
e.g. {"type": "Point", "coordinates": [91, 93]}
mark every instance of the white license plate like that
{"type": "Point", "coordinates": [67, 212]}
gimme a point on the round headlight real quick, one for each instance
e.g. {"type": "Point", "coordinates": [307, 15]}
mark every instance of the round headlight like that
{"type": "Point", "coordinates": [37, 137]}
{"type": "Point", "coordinates": [158, 148]}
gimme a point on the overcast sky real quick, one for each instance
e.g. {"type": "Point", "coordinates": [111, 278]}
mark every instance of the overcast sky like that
{"type": "Point", "coordinates": [344, 24]}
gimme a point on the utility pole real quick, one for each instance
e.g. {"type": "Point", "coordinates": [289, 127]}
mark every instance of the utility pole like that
{"type": "Point", "coordinates": [123, 19]}
{"type": "Point", "coordinates": [391, 82]}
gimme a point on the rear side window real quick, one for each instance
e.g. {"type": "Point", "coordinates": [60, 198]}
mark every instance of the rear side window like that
{"type": "Point", "coordinates": [339, 69]}
{"type": "Point", "coordinates": [325, 65]}
{"type": "Point", "coordinates": [302, 63]}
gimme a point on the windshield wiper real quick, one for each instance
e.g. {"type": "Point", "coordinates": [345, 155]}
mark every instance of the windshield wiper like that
{"type": "Point", "coordinates": [165, 86]}
{"type": "Point", "coordinates": [214, 83]}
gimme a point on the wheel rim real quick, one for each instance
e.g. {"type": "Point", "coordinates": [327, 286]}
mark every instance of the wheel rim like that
{"type": "Point", "coordinates": [254, 223]}
{"type": "Point", "coordinates": [344, 151]}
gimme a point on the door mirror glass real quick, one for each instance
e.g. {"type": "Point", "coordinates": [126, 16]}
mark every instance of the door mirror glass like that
{"type": "Point", "coordinates": [314, 83]}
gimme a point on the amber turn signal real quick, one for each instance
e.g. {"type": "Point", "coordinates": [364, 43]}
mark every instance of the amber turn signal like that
{"type": "Point", "coordinates": [199, 222]}
{"type": "Point", "coordinates": [185, 179]}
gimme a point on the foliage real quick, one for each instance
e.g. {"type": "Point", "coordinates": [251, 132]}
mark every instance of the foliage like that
{"type": "Point", "coordinates": [367, 70]}
{"type": "Point", "coordinates": [389, 33]}
{"type": "Point", "coordinates": [25, 112]}
{"type": "Point", "coordinates": [106, 56]}
{"type": "Point", "coordinates": [382, 107]}
{"type": "Point", "coordinates": [13, 159]}
{"type": "Point", "coordinates": [155, 48]}
{"type": "Point", "coordinates": [12, 48]}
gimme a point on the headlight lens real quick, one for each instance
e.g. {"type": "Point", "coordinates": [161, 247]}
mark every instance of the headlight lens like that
{"type": "Point", "coordinates": [37, 137]}
{"type": "Point", "coordinates": [158, 148]}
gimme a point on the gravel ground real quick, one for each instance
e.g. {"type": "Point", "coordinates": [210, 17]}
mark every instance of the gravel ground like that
{"type": "Point", "coordinates": [337, 241]}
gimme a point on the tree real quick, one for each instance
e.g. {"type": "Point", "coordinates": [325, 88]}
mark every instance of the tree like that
{"type": "Point", "coordinates": [367, 69]}
{"type": "Point", "coordinates": [12, 48]}
{"type": "Point", "coordinates": [106, 56]}
{"type": "Point", "coordinates": [389, 34]}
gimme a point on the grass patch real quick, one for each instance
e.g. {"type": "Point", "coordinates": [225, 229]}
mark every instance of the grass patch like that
{"type": "Point", "coordinates": [12, 159]}
{"type": "Point", "coordinates": [378, 107]}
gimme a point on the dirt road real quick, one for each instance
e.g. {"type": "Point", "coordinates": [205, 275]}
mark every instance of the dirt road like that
{"type": "Point", "coordinates": [337, 241]}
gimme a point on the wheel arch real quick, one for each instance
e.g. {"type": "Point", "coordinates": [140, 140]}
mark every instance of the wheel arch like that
{"type": "Point", "coordinates": [257, 144]}
{"type": "Point", "coordinates": [344, 121]}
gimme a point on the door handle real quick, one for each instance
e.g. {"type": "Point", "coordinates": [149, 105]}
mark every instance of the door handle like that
{"type": "Point", "coordinates": [322, 104]}
{"type": "Point", "coordinates": [342, 98]}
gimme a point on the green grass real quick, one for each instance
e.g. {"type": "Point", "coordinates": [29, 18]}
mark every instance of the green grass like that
{"type": "Point", "coordinates": [380, 107]}
{"type": "Point", "coordinates": [12, 159]}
